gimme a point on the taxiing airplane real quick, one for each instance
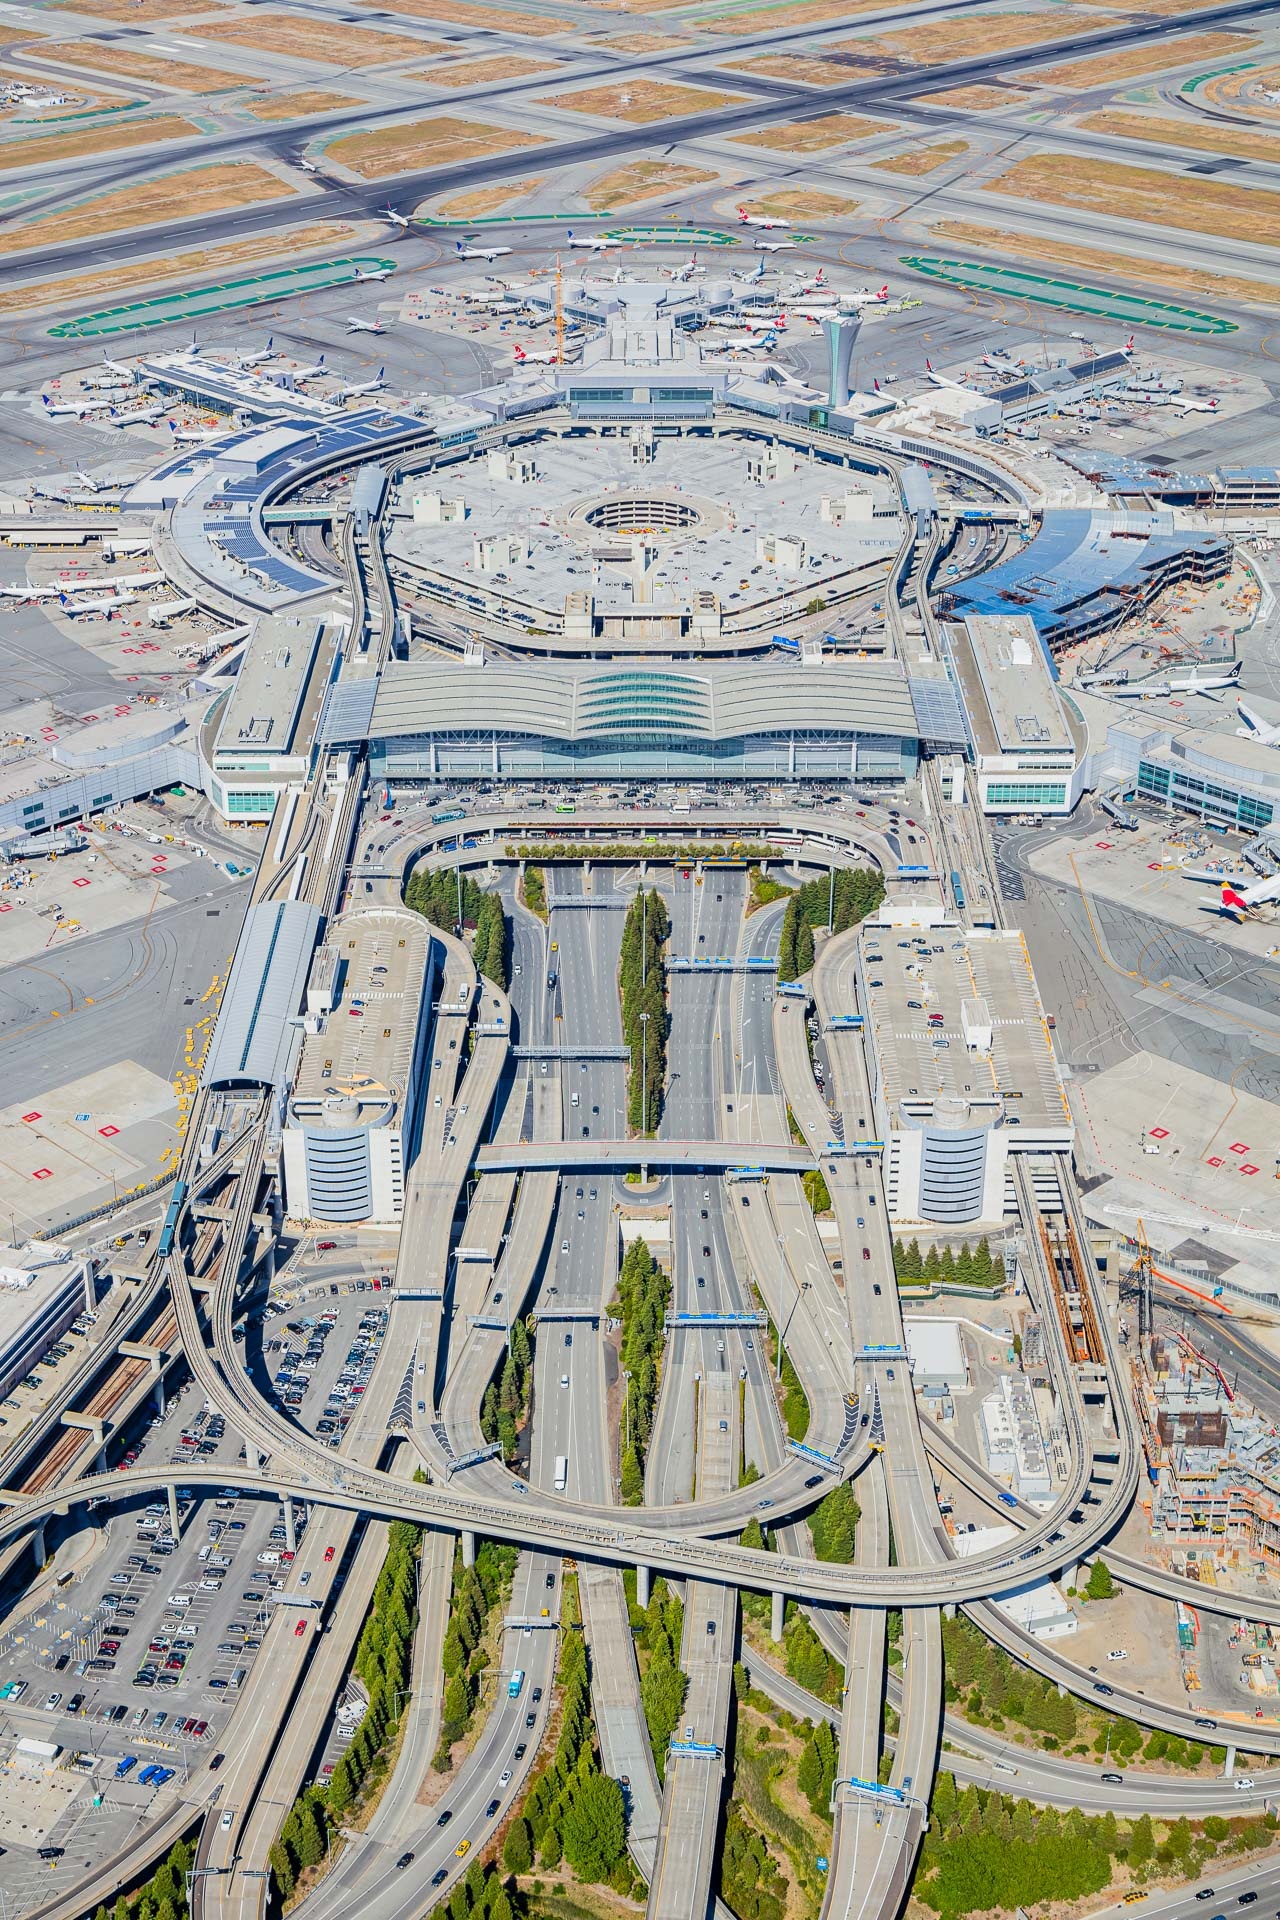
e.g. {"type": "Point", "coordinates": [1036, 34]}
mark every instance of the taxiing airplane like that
{"type": "Point", "coordinates": [308, 166]}
{"type": "Point", "coordinates": [355, 325]}
{"type": "Point", "coordinates": [595, 242]}
{"type": "Point", "coordinates": [478, 251]}
{"type": "Point", "coordinates": [775, 246]}
{"type": "Point", "coordinates": [400, 220]}
{"type": "Point", "coordinates": [1255, 727]}
{"type": "Point", "coordinates": [379, 273]}
{"type": "Point", "coordinates": [765, 220]}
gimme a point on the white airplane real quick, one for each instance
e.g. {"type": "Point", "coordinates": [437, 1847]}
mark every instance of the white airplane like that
{"type": "Point", "coordinates": [106, 382]}
{"type": "Point", "coordinates": [192, 436]}
{"type": "Point", "coordinates": [363, 386]}
{"type": "Point", "coordinates": [1142, 690]}
{"type": "Point", "coordinates": [817, 285]}
{"type": "Point", "coordinates": [775, 246]}
{"type": "Point", "coordinates": [142, 416]}
{"type": "Point", "coordinates": [687, 267]}
{"type": "Point", "coordinates": [364, 326]}
{"type": "Point", "coordinates": [1000, 363]}
{"type": "Point", "coordinates": [595, 242]}
{"type": "Point", "coordinates": [74, 608]}
{"type": "Point", "coordinates": [816, 314]}
{"type": "Point", "coordinates": [866, 297]}
{"type": "Point", "coordinates": [78, 407]}
{"type": "Point", "coordinates": [1239, 903]}
{"type": "Point", "coordinates": [256, 359]}
{"type": "Point", "coordinates": [755, 322]}
{"type": "Point", "coordinates": [750, 342]}
{"type": "Point", "coordinates": [306, 373]}
{"type": "Point", "coordinates": [379, 273]}
{"type": "Point", "coordinates": [1255, 727]}
{"type": "Point", "coordinates": [479, 251]}
{"type": "Point", "coordinates": [765, 220]}
{"type": "Point", "coordinates": [308, 166]}
{"type": "Point", "coordinates": [526, 359]}
{"type": "Point", "coordinates": [400, 220]}
{"type": "Point", "coordinates": [1195, 406]}
{"type": "Point", "coordinates": [1209, 682]}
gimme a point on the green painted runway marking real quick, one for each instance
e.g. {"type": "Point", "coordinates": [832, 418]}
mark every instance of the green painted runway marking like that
{"type": "Point", "coordinates": [671, 236]}
{"type": "Point", "coordinates": [1215, 73]}
{"type": "Point", "coordinates": [253, 290]}
{"type": "Point", "coordinates": [1103, 303]}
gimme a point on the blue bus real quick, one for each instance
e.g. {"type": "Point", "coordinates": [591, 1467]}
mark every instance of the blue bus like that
{"type": "Point", "coordinates": [164, 1246]}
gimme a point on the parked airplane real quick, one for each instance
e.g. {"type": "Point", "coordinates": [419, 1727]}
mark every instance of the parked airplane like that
{"type": "Point", "coordinates": [750, 343]}
{"type": "Point", "coordinates": [688, 267]}
{"type": "Point", "coordinates": [479, 251]}
{"type": "Point", "coordinates": [74, 608]}
{"type": "Point", "coordinates": [755, 322]}
{"type": "Point", "coordinates": [256, 359]}
{"type": "Point", "coordinates": [818, 284]}
{"type": "Point", "coordinates": [1255, 727]}
{"type": "Point", "coordinates": [866, 296]}
{"type": "Point", "coordinates": [192, 436]}
{"type": "Point", "coordinates": [1195, 406]}
{"type": "Point", "coordinates": [524, 358]}
{"type": "Point", "coordinates": [765, 220]}
{"type": "Point", "coordinates": [363, 386]}
{"type": "Point", "coordinates": [364, 326]}
{"type": "Point", "coordinates": [78, 407]}
{"type": "Point", "coordinates": [306, 373]}
{"type": "Point", "coordinates": [1240, 903]}
{"type": "Point", "coordinates": [1206, 683]}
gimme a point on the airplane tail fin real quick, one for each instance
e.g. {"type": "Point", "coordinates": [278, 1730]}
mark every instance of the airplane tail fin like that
{"type": "Point", "coordinates": [884, 292]}
{"type": "Point", "coordinates": [1232, 901]}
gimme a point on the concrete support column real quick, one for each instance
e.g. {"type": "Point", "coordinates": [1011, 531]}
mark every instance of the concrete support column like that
{"type": "Point", "coordinates": [290, 1527]}
{"type": "Point", "coordinates": [157, 1395]}
{"type": "Point", "coordinates": [468, 1547]}
{"type": "Point", "coordinates": [174, 1523]}
{"type": "Point", "coordinates": [1229, 1764]}
{"type": "Point", "coordinates": [38, 1549]}
{"type": "Point", "coordinates": [642, 1586]}
{"type": "Point", "coordinates": [778, 1616]}
{"type": "Point", "coordinates": [1071, 1575]}
{"type": "Point", "coordinates": [252, 1456]}
{"type": "Point", "coordinates": [90, 1288]}
{"type": "Point", "coordinates": [949, 1610]}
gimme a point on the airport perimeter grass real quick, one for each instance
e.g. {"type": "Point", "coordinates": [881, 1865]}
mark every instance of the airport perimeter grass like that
{"type": "Point", "coordinates": [478, 73]}
{"type": "Point", "coordinates": [798, 13]}
{"type": "Point", "coordinates": [920, 160]}
{"type": "Point", "coordinates": [483, 19]}
{"type": "Point", "coordinates": [74, 144]}
{"type": "Point", "coordinates": [644, 42]}
{"type": "Point", "coordinates": [1244, 91]}
{"type": "Point", "coordinates": [1143, 194]}
{"type": "Point", "coordinates": [1159, 56]}
{"type": "Point", "coordinates": [1102, 267]}
{"type": "Point", "coordinates": [137, 12]}
{"type": "Point", "coordinates": [1206, 137]}
{"type": "Point", "coordinates": [802, 203]}
{"type": "Point", "coordinates": [806, 70]}
{"type": "Point", "coordinates": [376, 154]}
{"type": "Point", "coordinates": [295, 106]}
{"type": "Point", "coordinates": [178, 196]}
{"type": "Point", "coordinates": [178, 75]}
{"type": "Point", "coordinates": [86, 290]}
{"type": "Point", "coordinates": [641, 102]}
{"type": "Point", "coordinates": [934, 42]}
{"type": "Point", "coordinates": [312, 39]}
{"type": "Point", "coordinates": [644, 180]}
{"type": "Point", "coordinates": [976, 99]}
{"type": "Point", "coordinates": [815, 136]}
{"type": "Point", "coordinates": [486, 200]}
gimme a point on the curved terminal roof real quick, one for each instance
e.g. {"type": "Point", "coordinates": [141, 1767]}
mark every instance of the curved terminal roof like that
{"type": "Point", "coordinates": [424, 696]}
{"type": "Point", "coordinates": [255, 1034]}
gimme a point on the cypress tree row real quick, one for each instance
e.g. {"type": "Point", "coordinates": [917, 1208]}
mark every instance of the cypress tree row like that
{"type": "Point", "coordinates": [643, 1294]}
{"type": "Point", "coordinates": [435, 894]}
{"type": "Point", "coordinates": [854, 893]}
{"type": "Point", "coordinates": [643, 980]}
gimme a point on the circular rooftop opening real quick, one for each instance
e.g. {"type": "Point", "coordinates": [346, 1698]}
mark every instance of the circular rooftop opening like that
{"type": "Point", "coordinates": [641, 513]}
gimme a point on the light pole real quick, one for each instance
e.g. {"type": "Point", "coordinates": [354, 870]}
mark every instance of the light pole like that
{"type": "Point", "coordinates": [782, 1337]}
{"type": "Point", "coordinates": [831, 901]}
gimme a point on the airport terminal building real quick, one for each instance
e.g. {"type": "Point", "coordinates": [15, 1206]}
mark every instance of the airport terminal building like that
{"type": "Point", "coordinates": [431, 720]}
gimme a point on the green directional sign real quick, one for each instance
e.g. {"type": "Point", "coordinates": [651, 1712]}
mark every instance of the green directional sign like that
{"type": "Point", "coordinates": [1074, 296]}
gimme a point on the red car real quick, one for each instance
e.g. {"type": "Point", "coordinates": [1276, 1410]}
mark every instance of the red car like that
{"type": "Point", "coordinates": [200, 1729]}
{"type": "Point", "coordinates": [300, 1629]}
{"type": "Point", "coordinates": [329, 1552]}
{"type": "Point", "coordinates": [325, 1246]}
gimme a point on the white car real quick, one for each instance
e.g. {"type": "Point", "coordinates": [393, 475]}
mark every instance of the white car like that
{"type": "Point", "coordinates": [225, 1822]}
{"type": "Point", "coordinates": [1243, 1784]}
{"type": "Point", "coordinates": [1117, 1653]}
{"type": "Point", "coordinates": [504, 1779]}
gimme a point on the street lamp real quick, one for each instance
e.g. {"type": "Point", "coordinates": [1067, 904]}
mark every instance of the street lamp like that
{"type": "Point", "coordinates": [782, 1337]}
